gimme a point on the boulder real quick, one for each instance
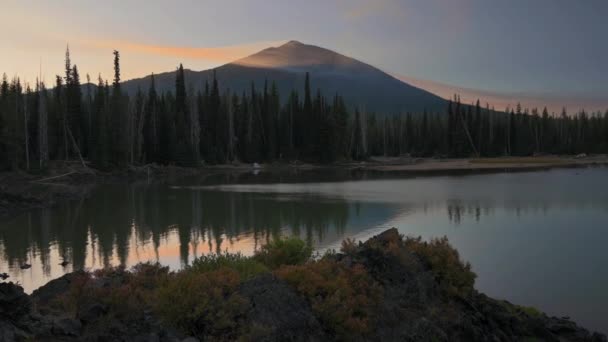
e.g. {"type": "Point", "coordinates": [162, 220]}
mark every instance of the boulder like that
{"type": "Point", "coordinates": [91, 312]}
{"type": "Point", "coordinates": [55, 287]}
{"type": "Point", "coordinates": [14, 303]}
{"type": "Point", "coordinates": [278, 312]}
{"type": "Point", "coordinates": [66, 326]}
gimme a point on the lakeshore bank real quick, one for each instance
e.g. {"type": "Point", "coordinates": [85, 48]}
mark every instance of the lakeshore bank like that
{"type": "Point", "coordinates": [389, 288]}
{"type": "Point", "coordinates": [64, 181]}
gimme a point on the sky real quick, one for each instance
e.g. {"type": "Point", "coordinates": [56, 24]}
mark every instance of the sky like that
{"type": "Point", "coordinates": [539, 51]}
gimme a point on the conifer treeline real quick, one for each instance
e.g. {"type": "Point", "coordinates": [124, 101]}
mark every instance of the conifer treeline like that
{"type": "Point", "coordinates": [111, 129]}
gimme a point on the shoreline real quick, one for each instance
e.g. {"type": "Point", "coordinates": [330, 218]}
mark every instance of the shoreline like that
{"type": "Point", "coordinates": [65, 181]}
{"type": "Point", "coordinates": [424, 289]}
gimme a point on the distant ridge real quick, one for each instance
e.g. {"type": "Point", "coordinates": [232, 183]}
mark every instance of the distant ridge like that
{"type": "Point", "coordinates": [360, 84]}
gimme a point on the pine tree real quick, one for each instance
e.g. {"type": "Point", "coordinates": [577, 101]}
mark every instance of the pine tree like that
{"type": "Point", "coordinates": [100, 134]}
{"type": "Point", "coordinates": [118, 123]}
{"type": "Point", "coordinates": [4, 94]}
{"type": "Point", "coordinates": [151, 125]}
{"type": "Point", "coordinates": [43, 140]}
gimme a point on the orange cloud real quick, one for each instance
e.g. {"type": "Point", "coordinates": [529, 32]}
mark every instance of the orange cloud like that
{"type": "Point", "coordinates": [500, 101]}
{"type": "Point", "coordinates": [221, 54]}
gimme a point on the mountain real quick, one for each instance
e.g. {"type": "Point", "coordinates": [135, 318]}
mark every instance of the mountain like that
{"type": "Point", "coordinates": [360, 84]}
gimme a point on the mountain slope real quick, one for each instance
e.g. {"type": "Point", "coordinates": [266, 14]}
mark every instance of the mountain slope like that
{"type": "Point", "coordinates": [360, 84]}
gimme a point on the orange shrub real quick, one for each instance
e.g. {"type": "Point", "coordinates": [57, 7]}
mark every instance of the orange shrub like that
{"type": "Point", "coordinates": [202, 304]}
{"type": "Point", "coordinates": [344, 298]}
{"type": "Point", "coordinates": [453, 275]}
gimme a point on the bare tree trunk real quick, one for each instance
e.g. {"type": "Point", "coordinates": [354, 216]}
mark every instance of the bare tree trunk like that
{"type": "Point", "coordinates": [195, 130]}
{"type": "Point", "coordinates": [364, 131]}
{"type": "Point", "coordinates": [230, 130]}
{"type": "Point", "coordinates": [43, 139]}
{"type": "Point", "coordinates": [131, 112]}
{"type": "Point", "coordinates": [26, 135]}
{"type": "Point", "coordinates": [141, 118]}
{"type": "Point", "coordinates": [291, 129]}
{"type": "Point", "coordinates": [77, 149]}
{"type": "Point", "coordinates": [466, 129]}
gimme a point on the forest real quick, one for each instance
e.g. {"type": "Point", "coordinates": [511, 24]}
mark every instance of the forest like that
{"type": "Point", "coordinates": [105, 127]}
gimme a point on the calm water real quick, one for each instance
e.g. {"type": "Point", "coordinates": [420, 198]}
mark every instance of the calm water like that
{"type": "Point", "coordinates": [533, 238]}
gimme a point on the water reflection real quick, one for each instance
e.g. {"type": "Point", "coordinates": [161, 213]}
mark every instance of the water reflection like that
{"type": "Point", "coordinates": [497, 219]}
{"type": "Point", "coordinates": [123, 225]}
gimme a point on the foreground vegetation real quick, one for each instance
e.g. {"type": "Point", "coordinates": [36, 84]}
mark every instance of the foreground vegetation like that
{"type": "Point", "coordinates": [111, 129]}
{"type": "Point", "coordinates": [388, 288]}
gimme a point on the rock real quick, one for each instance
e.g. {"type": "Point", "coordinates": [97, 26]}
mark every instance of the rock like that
{"type": "Point", "coordinates": [91, 312]}
{"type": "Point", "coordinates": [279, 311]}
{"type": "Point", "coordinates": [9, 333]}
{"type": "Point", "coordinates": [151, 337]}
{"type": "Point", "coordinates": [55, 287]}
{"type": "Point", "coordinates": [65, 326]}
{"type": "Point", "coordinates": [14, 303]}
{"type": "Point", "coordinates": [191, 339]}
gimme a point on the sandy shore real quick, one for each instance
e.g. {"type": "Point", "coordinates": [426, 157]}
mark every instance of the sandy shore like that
{"type": "Point", "coordinates": [502, 163]}
{"type": "Point", "coordinates": [20, 191]}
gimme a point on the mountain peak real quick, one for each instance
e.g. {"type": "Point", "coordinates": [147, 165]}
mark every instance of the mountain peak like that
{"type": "Point", "coordinates": [293, 43]}
{"type": "Point", "coordinates": [295, 55]}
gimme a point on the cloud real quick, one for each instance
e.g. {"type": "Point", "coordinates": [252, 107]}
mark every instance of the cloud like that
{"type": "Point", "coordinates": [500, 101]}
{"type": "Point", "coordinates": [370, 8]}
{"type": "Point", "coordinates": [222, 54]}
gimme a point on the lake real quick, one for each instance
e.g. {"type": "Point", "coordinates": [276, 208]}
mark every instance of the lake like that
{"type": "Point", "coordinates": [533, 238]}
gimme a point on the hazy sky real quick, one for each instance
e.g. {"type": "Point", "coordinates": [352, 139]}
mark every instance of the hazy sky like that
{"type": "Point", "coordinates": [550, 50]}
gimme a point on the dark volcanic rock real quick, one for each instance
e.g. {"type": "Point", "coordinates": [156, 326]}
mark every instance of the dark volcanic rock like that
{"type": "Point", "coordinates": [415, 309]}
{"type": "Point", "coordinates": [91, 312]}
{"type": "Point", "coordinates": [279, 311]}
{"type": "Point", "coordinates": [65, 326]}
{"type": "Point", "coordinates": [55, 287]}
{"type": "Point", "coordinates": [14, 303]}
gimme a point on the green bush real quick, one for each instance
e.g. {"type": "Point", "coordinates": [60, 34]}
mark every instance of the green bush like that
{"type": "Point", "coordinates": [203, 304]}
{"type": "Point", "coordinates": [129, 292]}
{"type": "Point", "coordinates": [246, 267]}
{"type": "Point", "coordinates": [289, 251]}
{"type": "Point", "coordinates": [453, 275]}
{"type": "Point", "coordinates": [349, 246]}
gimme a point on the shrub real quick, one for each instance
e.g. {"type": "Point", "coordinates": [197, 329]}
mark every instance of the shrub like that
{"type": "Point", "coordinates": [343, 298]}
{"type": "Point", "coordinates": [289, 251]}
{"type": "Point", "coordinates": [531, 311]}
{"type": "Point", "coordinates": [125, 294]}
{"type": "Point", "coordinates": [134, 291]}
{"type": "Point", "coordinates": [246, 267]}
{"type": "Point", "coordinates": [76, 296]}
{"type": "Point", "coordinates": [203, 304]}
{"type": "Point", "coordinates": [349, 246]}
{"type": "Point", "coordinates": [453, 275]}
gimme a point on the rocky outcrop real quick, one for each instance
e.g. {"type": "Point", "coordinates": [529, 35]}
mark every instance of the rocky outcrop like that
{"type": "Point", "coordinates": [279, 312]}
{"type": "Point", "coordinates": [415, 305]}
{"type": "Point", "coordinates": [415, 308]}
